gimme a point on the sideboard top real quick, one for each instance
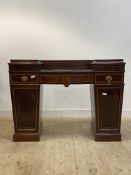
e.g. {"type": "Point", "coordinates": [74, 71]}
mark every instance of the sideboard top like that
{"type": "Point", "coordinates": [48, 65]}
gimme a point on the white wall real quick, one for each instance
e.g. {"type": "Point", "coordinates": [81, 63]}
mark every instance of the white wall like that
{"type": "Point", "coordinates": [64, 29]}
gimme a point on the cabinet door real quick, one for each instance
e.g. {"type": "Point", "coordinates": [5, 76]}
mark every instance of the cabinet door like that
{"type": "Point", "coordinates": [25, 101]}
{"type": "Point", "coordinates": [108, 107]}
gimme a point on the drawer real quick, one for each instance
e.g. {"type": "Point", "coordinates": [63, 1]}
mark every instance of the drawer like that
{"type": "Point", "coordinates": [66, 78]}
{"type": "Point", "coordinates": [24, 78]}
{"type": "Point", "coordinates": [81, 78]}
{"type": "Point", "coordinates": [51, 78]}
{"type": "Point", "coordinates": [108, 78]}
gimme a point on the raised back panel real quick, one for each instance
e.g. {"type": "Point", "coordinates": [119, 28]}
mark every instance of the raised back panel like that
{"type": "Point", "coordinates": [65, 64]}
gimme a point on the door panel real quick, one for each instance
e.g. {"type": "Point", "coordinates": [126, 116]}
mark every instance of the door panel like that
{"type": "Point", "coordinates": [109, 101]}
{"type": "Point", "coordinates": [26, 108]}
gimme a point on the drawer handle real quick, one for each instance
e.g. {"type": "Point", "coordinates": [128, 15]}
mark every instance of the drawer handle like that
{"type": "Point", "coordinates": [24, 78]}
{"type": "Point", "coordinates": [108, 79]}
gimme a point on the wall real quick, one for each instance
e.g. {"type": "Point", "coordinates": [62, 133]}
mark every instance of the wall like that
{"type": "Point", "coordinates": [64, 29]}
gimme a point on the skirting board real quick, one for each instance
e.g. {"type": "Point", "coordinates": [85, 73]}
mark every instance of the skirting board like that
{"type": "Point", "coordinates": [7, 114]}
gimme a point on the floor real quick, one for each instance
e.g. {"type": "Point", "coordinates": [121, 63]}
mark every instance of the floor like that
{"type": "Point", "coordinates": [67, 147]}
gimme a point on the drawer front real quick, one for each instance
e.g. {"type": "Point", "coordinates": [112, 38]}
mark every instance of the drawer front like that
{"type": "Point", "coordinates": [66, 78]}
{"type": "Point", "coordinates": [51, 78]}
{"type": "Point", "coordinates": [81, 78]}
{"type": "Point", "coordinates": [24, 78]}
{"type": "Point", "coordinates": [108, 78]}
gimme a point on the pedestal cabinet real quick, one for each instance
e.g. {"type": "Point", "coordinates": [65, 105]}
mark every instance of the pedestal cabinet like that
{"type": "Point", "coordinates": [25, 100]}
{"type": "Point", "coordinates": [108, 105]}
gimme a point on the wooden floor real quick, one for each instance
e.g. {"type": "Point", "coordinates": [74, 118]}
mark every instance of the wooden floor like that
{"type": "Point", "coordinates": [67, 147]}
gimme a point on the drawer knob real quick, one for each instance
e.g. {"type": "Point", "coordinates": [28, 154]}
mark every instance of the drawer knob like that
{"type": "Point", "coordinates": [24, 78]}
{"type": "Point", "coordinates": [108, 79]}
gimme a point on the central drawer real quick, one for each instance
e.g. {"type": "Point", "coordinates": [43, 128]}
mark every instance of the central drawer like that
{"type": "Point", "coordinates": [81, 78]}
{"type": "Point", "coordinates": [51, 78]}
{"type": "Point", "coordinates": [66, 78]}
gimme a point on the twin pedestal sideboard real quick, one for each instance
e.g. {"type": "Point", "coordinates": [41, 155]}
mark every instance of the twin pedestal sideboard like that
{"type": "Point", "coordinates": [106, 79]}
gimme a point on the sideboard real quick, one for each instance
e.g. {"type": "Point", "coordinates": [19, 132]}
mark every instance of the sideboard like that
{"type": "Point", "coordinates": [106, 79]}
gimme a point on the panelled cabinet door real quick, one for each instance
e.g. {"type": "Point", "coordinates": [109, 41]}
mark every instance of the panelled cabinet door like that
{"type": "Point", "coordinates": [108, 107]}
{"type": "Point", "coordinates": [26, 108]}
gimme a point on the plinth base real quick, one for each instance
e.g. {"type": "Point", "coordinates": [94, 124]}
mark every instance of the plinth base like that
{"type": "Point", "coordinates": [107, 137]}
{"type": "Point", "coordinates": [26, 137]}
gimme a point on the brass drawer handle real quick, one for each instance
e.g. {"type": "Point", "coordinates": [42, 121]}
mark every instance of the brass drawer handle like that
{"type": "Point", "coordinates": [24, 78]}
{"type": "Point", "coordinates": [108, 79]}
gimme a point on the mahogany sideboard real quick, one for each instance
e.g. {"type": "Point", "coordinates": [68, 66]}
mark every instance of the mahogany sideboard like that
{"type": "Point", "coordinates": [106, 79]}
